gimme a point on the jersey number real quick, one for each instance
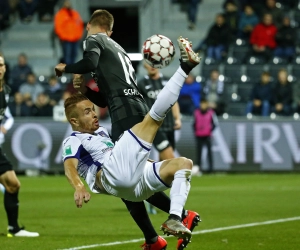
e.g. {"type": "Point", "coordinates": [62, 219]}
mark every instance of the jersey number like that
{"type": "Point", "coordinates": [128, 69]}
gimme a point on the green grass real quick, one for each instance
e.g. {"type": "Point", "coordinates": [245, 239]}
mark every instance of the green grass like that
{"type": "Point", "coordinates": [47, 206]}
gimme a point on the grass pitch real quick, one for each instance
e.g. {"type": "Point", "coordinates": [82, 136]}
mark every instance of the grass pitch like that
{"type": "Point", "coordinates": [47, 206]}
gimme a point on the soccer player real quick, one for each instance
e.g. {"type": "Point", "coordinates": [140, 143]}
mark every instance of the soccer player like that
{"type": "Point", "coordinates": [150, 86]}
{"type": "Point", "coordinates": [8, 176]}
{"type": "Point", "coordinates": [112, 70]}
{"type": "Point", "coordinates": [123, 169]}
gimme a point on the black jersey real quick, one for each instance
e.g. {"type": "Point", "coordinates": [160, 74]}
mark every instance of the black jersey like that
{"type": "Point", "coordinates": [3, 101]}
{"type": "Point", "coordinates": [116, 77]}
{"type": "Point", "coordinates": [150, 88]}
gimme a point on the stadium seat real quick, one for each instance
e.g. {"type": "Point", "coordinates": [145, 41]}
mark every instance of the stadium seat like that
{"type": "Point", "coordinates": [254, 71]}
{"type": "Point", "coordinates": [244, 92]}
{"type": "Point", "coordinates": [232, 70]}
{"type": "Point", "coordinates": [240, 52]}
{"type": "Point", "coordinates": [236, 109]}
{"type": "Point", "coordinates": [207, 66]}
{"type": "Point", "coordinates": [275, 65]}
{"type": "Point", "coordinates": [296, 68]}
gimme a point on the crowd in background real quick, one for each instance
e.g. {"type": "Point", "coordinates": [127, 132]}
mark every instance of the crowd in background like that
{"type": "Point", "coordinates": [266, 29]}
{"type": "Point", "coordinates": [248, 33]}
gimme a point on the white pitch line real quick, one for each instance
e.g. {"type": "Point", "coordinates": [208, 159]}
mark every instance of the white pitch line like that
{"type": "Point", "coordinates": [195, 232]}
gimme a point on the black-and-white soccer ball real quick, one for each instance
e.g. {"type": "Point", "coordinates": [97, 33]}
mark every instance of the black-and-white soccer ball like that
{"type": "Point", "coordinates": [158, 51]}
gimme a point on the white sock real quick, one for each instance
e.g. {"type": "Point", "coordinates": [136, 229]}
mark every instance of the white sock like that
{"type": "Point", "coordinates": [168, 95]}
{"type": "Point", "coordinates": [180, 190]}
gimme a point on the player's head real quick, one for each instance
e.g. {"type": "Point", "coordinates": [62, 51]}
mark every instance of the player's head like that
{"type": "Point", "coordinates": [150, 70]}
{"type": "Point", "coordinates": [81, 114]}
{"type": "Point", "coordinates": [203, 104]}
{"type": "Point", "coordinates": [101, 19]}
{"type": "Point", "coordinates": [2, 67]}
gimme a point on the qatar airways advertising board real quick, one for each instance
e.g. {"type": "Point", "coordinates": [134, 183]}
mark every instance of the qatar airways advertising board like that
{"type": "Point", "coordinates": [239, 145]}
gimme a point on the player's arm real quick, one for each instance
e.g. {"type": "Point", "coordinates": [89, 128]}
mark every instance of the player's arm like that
{"type": "Point", "coordinates": [81, 194]}
{"type": "Point", "coordinates": [176, 115]}
{"type": "Point", "coordinates": [87, 64]}
{"type": "Point", "coordinates": [98, 98]}
{"type": "Point", "coordinates": [9, 121]}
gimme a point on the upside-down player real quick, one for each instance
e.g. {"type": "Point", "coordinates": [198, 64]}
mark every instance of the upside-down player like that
{"type": "Point", "coordinates": [112, 70]}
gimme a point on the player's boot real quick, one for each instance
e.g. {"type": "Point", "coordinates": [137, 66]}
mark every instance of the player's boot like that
{"type": "Point", "coordinates": [190, 221]}
{"type": "Point", "coordinates": [176, 228]}
{"type": "Point", "coordinates": [188, 56]}
{"type": "Point", "coordinates": [160, 244]}
{"type": "Point", "coordinates": [21, 233]}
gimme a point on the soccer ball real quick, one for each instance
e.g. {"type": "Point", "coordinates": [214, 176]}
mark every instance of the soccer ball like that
{"type": "Point", "coordinates": [158, 51]}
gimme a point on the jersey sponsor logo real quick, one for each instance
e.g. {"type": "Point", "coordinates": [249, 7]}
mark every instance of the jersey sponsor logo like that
{"type": "Point", "coordinates": [67, 151]}
{"type": "Point", "coordinates": [108, 144]}
{"type": "Point", "coordinates": [131, 92]}
{"type": "Point", "coordinates": [162, 145]}
{"type": "Point", "coordinates": [103, 134]}
{"type": "Point", "coordinates": [153, 93]}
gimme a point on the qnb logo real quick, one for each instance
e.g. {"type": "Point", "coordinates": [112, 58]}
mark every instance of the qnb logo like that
{"type": "Point", "coordinates": [153, 93]}
{"type": "Point", "coordinates": [162, 145]}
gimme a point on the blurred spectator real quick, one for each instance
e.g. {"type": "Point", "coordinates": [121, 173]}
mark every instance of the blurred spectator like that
{"type": "Point", "coordinates": [41, 106]}
{"type": "Point", "coordinates": [205, 122]}
{"type": "Point", "coordinates": [18, 107]}
{"type": "Point", "coordinates": [276, 13]}
{"type": "Point", "coordinates": [46, 10]}
{"type": "Point", "coordinates": [66, 94]}
{"type": "Point", "coordinates": [4, 15]}
{"type": "Point", "coordinates": [19, 73]}
{"type": "Point", "coordinates": [296, 97]}
{"type": "Point", "coordinates": [261, 97]}
{"type": "Point", "coordinates": [54, 90]}
{"type": "Point", "coordinates": [27, 9]}
{"type": "Point", "coordinates": [31, 88]}
{"type": "Point", "coordinates": [213, 92]}
{"type": "Point", "coordinates": [69, 28]}
{"type": "Point", "coordinates": [247, 22]}
{"type": "Point", "coordinates": [286, 38]}
{"type": "Point", "coordinates": [258, 7]}
{"type": "Point", "coordinates": [189, 96]}
{"type": "Point", "coordinates": [283, 94]}
{"type": "Point", "coordinates": [262, 38]}
{"type": "Point", "coordinates": [7, 72]}
{"type": "Point", "coordinates": [217, 39]}
{"type": "Point", "coordinates": [192, 12]}
{"type": "Point", "coordinates": [231, 16]}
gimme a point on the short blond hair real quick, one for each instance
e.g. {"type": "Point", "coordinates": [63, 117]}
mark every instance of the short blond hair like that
{"type": "Point", "coordinates": [70, 105]}
{"type": "Point", "coordinates": [102, 18]}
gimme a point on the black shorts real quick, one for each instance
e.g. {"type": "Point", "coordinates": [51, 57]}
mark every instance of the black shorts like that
{"type": "Point", "coordinates": [120, 126]}
{"type": "Point", "coordinates": [163, 140]}
{"type": "Point", "coordinates": [5, 164]}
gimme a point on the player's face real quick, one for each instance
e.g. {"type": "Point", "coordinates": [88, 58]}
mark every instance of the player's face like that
{"type": "Point", "coordinates": [2, 68]}
{"type": "Point", "coordinates": [87, 117]}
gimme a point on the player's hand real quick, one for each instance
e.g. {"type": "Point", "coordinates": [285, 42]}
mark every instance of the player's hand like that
{"type": "Point", "coordinates": [81, 195]}
{"type": "Point", "coordinates": [177, 124]}
{"type": "Point", "coordinates": [78, 83]}
{"type": "Point", "coordinates": [59, 69]}
{"type": "Point", "coordinates": [3, 130]}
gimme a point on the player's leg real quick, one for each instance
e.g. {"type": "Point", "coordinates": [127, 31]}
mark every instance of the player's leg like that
{"type": "Point", "coordinates": [11, 205]}
{"type": "Point", "coordinates": [176, 173]}
{"type": "Point", "coordinates": [137, 209]}
{"type": "Point", "coordinates": [147, 129]}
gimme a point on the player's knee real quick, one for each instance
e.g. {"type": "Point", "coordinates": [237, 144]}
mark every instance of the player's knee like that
{"type": "Point", "coordinates": [185, 163]}
{"type": "Point", "coordinates": [13, 187]}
